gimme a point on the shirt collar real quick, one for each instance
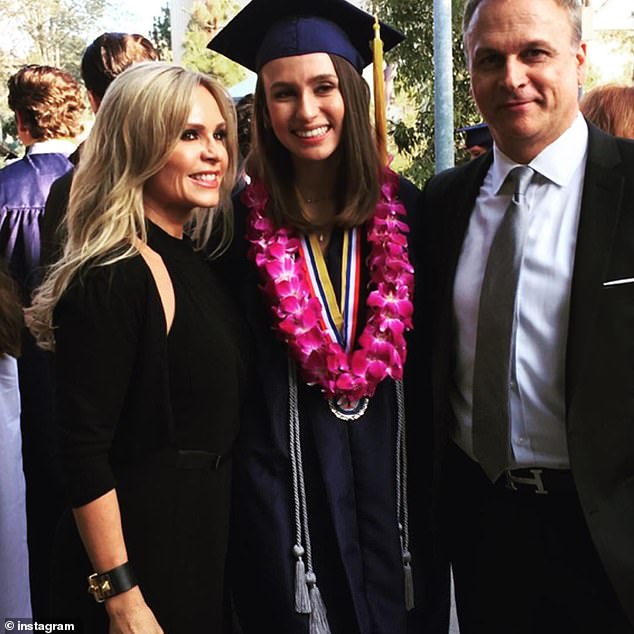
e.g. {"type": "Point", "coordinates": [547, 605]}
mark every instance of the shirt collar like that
{"type": "Point", "coordinates": [53, 146]}
{"type": "Point", "coordinates": [572, 144]}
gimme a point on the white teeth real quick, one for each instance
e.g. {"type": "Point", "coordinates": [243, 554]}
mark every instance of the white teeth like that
{"type": "Point", "coordinates": [308, 134]}
{"type": "Point", "coordinates": [210, 178]}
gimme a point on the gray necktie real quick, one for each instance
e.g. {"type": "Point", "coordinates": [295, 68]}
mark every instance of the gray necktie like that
{"type": "Point", "coordinates": [492, 368]}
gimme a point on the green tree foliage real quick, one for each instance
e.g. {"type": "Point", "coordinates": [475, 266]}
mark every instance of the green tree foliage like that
{"type": "Point", "coordinates": [9, 143]}
{"type": "Point", "coordinates": [161, 33]}
{"type": "Point", "coordinates": [207, 18]}
{"type": "Point", "coordinates": [413, 133]}
{"type": "Point", "coordinates": [53, 32]}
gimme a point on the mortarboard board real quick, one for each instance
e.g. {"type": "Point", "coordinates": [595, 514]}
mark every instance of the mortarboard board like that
{"type": "Point", "coordinates": [477, 135]}
{"type": "Point", "coordinates": [268, 29]}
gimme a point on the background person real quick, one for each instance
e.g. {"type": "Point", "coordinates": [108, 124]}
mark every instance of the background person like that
{"type": "Point", "coordinates": [535, 482]}
{"type": "Point", "coordinates": [477, 139]}
{"type": "Point", "coordinates": [105, 58]}
{"type": "Point", "coordinates": [149, 360]}
{"type": "Point", "coordinates": [316, 543]}
{"type": "Point", "coordinates": [611, 108]}
{"type": "Point", "coordinates": [48, 107]}
{"type": "Point", "coordinates": [244, 113]}
{"type": "Point", "coordinates": [15, 596]}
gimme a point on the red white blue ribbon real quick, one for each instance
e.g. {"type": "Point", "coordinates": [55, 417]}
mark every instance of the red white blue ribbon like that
{"type": "Point", "coordinates": [339, 315]}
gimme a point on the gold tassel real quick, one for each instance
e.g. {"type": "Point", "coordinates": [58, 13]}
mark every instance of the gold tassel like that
{"type": "Point", "coordinates": [380, 117]}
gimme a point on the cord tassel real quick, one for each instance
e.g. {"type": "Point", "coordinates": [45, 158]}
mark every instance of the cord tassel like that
{"type": "Point", "coordinates": [311, 604]}
{"type": "Point", "coordinates": [317, 622]}
{"type": "Point", "coordinates": [380, 115]}
{"type": "Point", "coordinates": [302, 598]}
{"type": "Point", "coordinates": [409, 581]}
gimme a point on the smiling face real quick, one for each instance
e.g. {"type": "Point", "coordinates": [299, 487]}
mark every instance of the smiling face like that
{"type": "Point", "coordinates": [305, 105]}
{"type": "Point", "coordinates": [525, 72]}
{"type": "Point", "coordinates": [195, 169]}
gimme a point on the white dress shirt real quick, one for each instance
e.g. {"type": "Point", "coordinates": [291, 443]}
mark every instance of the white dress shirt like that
{"type": "Point", "coordinates": [536, 390]}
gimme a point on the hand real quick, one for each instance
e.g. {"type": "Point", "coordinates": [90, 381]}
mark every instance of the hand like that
{"type": "Point", "coordinates": [130, 614]}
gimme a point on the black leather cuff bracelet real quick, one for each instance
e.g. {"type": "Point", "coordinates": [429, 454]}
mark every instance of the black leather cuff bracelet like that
{"type": "Point", "coordinates": [103, 585]}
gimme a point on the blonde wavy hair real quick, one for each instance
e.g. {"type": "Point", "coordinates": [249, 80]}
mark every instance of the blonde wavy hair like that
{"type": "Point", "coordinates": [137, 127]}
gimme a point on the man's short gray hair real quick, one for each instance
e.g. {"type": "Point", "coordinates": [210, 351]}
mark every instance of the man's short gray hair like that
{"type": "Point", "coordinates": [574, 8]}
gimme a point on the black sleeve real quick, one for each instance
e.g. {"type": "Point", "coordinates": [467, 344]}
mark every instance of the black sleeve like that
{"type": "Point", "coordinates": [52, 230]}
{"type": "Point", "coordinates": [98, 322]}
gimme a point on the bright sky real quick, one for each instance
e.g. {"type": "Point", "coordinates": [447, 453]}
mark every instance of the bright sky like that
{"type": "Point", "coordinates": [137, 16]}
{"type": "Point", "coordinates": [132, 17]}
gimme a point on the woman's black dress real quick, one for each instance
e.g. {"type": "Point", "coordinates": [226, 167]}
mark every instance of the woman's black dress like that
{"type": "Point", "coordinates": [155, 417]}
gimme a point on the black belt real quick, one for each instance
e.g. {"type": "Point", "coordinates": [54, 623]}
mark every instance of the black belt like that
{"type": "Point", "coordinates": [192, 459]}
{"type": "Point", "coordinates": [537, 481]}
{"type": "Point", "coordinates": [526, 480]}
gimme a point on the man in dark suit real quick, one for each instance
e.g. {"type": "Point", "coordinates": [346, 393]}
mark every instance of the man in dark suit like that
{"type": "Point", "coordinates": [527, 312]}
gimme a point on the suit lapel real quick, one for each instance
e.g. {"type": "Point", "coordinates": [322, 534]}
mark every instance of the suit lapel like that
{"type": "Point", "coordinates": [455, 205]}
{"type": "Point", "coordinates": [600, 210]}
{"type": "Point", "coordinates": [463, 197]}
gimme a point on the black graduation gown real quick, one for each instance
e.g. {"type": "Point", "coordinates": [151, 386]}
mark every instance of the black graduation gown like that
{"type": "Point", "coordinates": [351, 489]}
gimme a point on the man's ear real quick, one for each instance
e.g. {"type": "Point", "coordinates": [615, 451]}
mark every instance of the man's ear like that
{"type": "Point", "coordinates": [24, 134]}
{"type": "Point", "coordinates": [19, 122]}
{"type": "Point", "coordinates": [95, 102]}
{"type": "Point", "coordinates": [581, 56]}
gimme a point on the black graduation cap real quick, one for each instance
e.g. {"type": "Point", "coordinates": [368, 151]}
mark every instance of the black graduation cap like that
{"type": "Point", "coordinates": [477, 135]}
{"type": "Point", "coordinates": [268, 29]}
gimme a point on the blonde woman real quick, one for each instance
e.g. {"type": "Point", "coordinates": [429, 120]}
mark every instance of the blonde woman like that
{"type": "Point", "coordinates": [148, 359]}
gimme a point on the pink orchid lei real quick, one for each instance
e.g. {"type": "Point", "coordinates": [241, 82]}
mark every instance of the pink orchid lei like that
{"type": "Point", "coordinates": [381, 348]}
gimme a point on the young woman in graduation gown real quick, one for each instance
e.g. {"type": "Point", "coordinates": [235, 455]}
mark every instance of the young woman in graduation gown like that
{"type": "Point", "coordinates": [149, 361]}
{"type": "Point", "coordinates": [323, 538]}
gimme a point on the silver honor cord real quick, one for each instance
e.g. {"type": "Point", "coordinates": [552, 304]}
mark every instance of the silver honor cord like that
{"type": "Point", "coordinates": [307, 596]}
{"type": "Point", "coordinates": [402, 506]}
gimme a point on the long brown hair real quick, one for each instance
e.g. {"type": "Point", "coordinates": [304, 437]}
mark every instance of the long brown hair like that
{"type": "Point", "coordinates": [357, 187]}
{"type": "Point", "coordinates": [11, 317]}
